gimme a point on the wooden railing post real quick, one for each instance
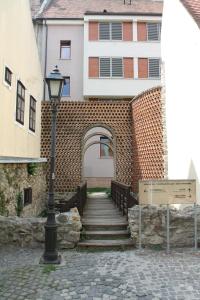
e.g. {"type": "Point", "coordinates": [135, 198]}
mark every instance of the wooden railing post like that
{"type": "Point", "coordinates": [121, 195]}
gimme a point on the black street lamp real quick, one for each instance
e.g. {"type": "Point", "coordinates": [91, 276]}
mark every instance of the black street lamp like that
{"type": "Point", "coordinates": [55, 82]}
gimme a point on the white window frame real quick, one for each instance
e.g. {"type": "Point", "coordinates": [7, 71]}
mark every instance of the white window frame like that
{"type": "Point", "coordinates": [159, 68]}
{"type": "Point", "coordinates": [111, 77]}
{"type": "Point", "coordinates": [110, 31]}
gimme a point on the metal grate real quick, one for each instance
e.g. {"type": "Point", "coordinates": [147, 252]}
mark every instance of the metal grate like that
{"type": "Point", "coordinates": [105, 67]}
{"type": "Point", "coordinates": [154, 67]}
{"type": "Point", "coordinates": [116, 31]}
{"type": "Point", "coordinates": [153, 30]}
{"type": "Point", "coordinates": [117, 67]}
{"type": "Point", "coordinates": [104, 31]}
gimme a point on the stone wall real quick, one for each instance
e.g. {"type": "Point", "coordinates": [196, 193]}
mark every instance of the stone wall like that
{"type": "Point", "coordinates": [154, 226]}
{"type": "Point", "coordinates": [29, 232]}
{"type": "Point", "coordinates": [14, 178]}
{"type": "Point", "coordinates": [148, 140]}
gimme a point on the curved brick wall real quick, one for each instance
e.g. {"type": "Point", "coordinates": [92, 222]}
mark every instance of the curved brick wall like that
{"type": "Point", "coordinates": [148, 141]}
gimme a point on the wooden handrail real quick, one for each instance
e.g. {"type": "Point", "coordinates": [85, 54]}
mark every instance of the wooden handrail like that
{"type": "Point", "coordinates": [122, 196]}
{"type": "Point", "coordinates": [77, 200]}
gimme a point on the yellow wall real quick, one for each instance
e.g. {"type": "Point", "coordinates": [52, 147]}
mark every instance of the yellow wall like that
{"type": "Point", "coordinates": [19, 52]}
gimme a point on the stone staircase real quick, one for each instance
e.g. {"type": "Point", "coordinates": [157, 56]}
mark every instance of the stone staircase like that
{"type": "Point", "coordinates": [103, 225]}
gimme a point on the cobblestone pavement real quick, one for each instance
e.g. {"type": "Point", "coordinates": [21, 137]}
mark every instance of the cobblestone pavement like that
{"type": "Point", "coordinates": [100, 275]}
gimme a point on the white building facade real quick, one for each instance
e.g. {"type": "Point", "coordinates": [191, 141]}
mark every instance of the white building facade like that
{"type": "Point", "coordinates": [180, 54]}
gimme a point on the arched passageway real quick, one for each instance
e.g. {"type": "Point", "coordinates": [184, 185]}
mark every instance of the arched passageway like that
{"type": "Point", "coordinates": [98, 157]}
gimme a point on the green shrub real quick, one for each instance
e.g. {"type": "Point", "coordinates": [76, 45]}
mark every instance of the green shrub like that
{"type": "Point", "coordinates": [3, 210]}
{"type": "Point", "coordinates": [19, 204]}
{"type": "Point", "coordinates": [31, 168]}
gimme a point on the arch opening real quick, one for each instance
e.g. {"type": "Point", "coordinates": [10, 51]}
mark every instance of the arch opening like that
{"type": "Point", "coordinates": [98, 157]}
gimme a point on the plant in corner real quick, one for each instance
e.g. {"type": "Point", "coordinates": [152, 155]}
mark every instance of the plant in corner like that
{"type": "Point", "coordinates": [3, 210]}
{"type": "Point", "coordinates": [19, 204]}
{"type": "Point", "coordinates": [31, 168]}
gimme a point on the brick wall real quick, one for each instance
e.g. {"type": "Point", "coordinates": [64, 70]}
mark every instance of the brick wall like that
{"type": "Point", "coordinates": [148, 142]}
{"type": "Point", "coordinates": [74, 118]}
{"type": "Point", "coordinates": [142, 31]}
{"type": "Point", "coordinates": [128, 67]}
{"type": "Point", "coordinates": [127, 31]}
{"type": "Point", "coordinates": [93, 67]}
{"type": "Point", "coordinates": [142, 68]}
{"type": "Point", "coordinates": [93, 31]}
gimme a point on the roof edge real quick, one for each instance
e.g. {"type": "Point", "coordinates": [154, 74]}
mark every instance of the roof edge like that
{"type": "Point", "coordinates": [145, 92]}
{"type": "Point", "coordinates": [122, 13]}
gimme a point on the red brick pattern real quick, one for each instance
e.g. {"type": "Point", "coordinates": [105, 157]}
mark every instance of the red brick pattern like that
{"type": "Point", "coordinates": [128, 67]}
{"type": "Point", "coordinates": [74, 118]}
{"type": "Point", "coordinates": [148, 142]}
{"type": "Point", "coordinates": [141, 31]}
{"type": "Point", "coordinates": [93, 31]}
{"type": "Point", "coordinates": [127, 31]}
{"type": "Point", "coordinates": [142, 68]}
{"type": "Point", "coordinates": [93, 67]}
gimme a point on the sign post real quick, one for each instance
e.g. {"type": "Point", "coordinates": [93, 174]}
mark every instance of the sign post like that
{"type": "Point", "coordinates": [167, 192]}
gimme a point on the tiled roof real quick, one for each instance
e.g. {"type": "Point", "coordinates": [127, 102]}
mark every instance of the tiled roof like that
{"type": "Point", "coordinates": [77, 8]}
{"type": "Point", "coordinates": [35, 6]}
{"type": "Point", "coordinates": [193, 7]}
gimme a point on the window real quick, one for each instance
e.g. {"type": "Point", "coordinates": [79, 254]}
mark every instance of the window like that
{"type": "Point", "coordinates": [104, 31]}
{"type": "Point", "coordinates": [66, 87]}
{"type": "Point", "coordinates": [20, 103]}
{"type": "Point", "coordinates": [110, 31]}
{"type": "Point", "coordinates": [104, 67]}
{"type": "Point", "coordinates": [27, 196]}
{"type": "Point", "coordinates": [116, 31]}
{"type": "Point", "coordinates": [8, 76]}
{"type": "Point", "coordinates": [117, 69]}
{"type": "Point", "coordinates": [111, 67]}
{"type": "Point", "coordinates": [32, 114]}
{"type": "Point", "coordinates": [105, 151]}
{"type": "Point", "coordinates": [153, 31]}
{"type": "Point", "coordinates": [154, 67]}
{"type": "Point", "coordinates": [65, 49]}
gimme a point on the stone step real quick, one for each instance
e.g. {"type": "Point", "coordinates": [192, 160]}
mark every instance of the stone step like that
{"type": "Point", "coordinates": [105, 234]}
{"type": "Point", "coordinates": [105, 218]}
{"type": "Point", "coordinates": [99, 226]}
{"type": "Point", "coordinates": [106, 243]}
{"type": "Point", "coordinates": [102, 212]}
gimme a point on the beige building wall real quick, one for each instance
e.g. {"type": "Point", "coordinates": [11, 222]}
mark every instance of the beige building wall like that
{"type": "Point", "coordinates": [18, 51]}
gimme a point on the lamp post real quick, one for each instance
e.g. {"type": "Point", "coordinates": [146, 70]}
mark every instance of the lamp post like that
{"type": "Point", "coordinates": [55, 83]}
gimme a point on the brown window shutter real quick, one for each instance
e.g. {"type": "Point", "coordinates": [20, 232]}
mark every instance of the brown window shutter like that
{"type": "Point", "coordinates": [142, 67]}
{"type": "Point", "coordinates": [128, 67]}
{"type": "Point", "coordinates": [93, 31]}
{"type": "Point", "coordinates": [127, 31]}
{"type": "Point", "coordinates": [93, 67]}
{"type": "Point", "coordinates": [142, 31]}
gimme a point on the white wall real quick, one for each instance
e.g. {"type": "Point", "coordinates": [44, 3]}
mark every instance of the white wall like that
{"type": "Point", "coordinates": [181, 56]}
{"type": "Point", "coordinates": [72, 67]}
{"type": "Point", "coordinates": [118, 87]}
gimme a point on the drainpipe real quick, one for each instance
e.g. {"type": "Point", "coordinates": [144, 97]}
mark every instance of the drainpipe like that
{"type": "Point", "coordinates": [45, 59]}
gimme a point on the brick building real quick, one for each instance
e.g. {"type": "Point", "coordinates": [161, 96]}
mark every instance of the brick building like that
{"type": "Point", "coordinates": [107, 50]}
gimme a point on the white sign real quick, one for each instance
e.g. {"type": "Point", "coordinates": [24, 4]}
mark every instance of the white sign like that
{"type": "Point", "coordinates": [167, 192]}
